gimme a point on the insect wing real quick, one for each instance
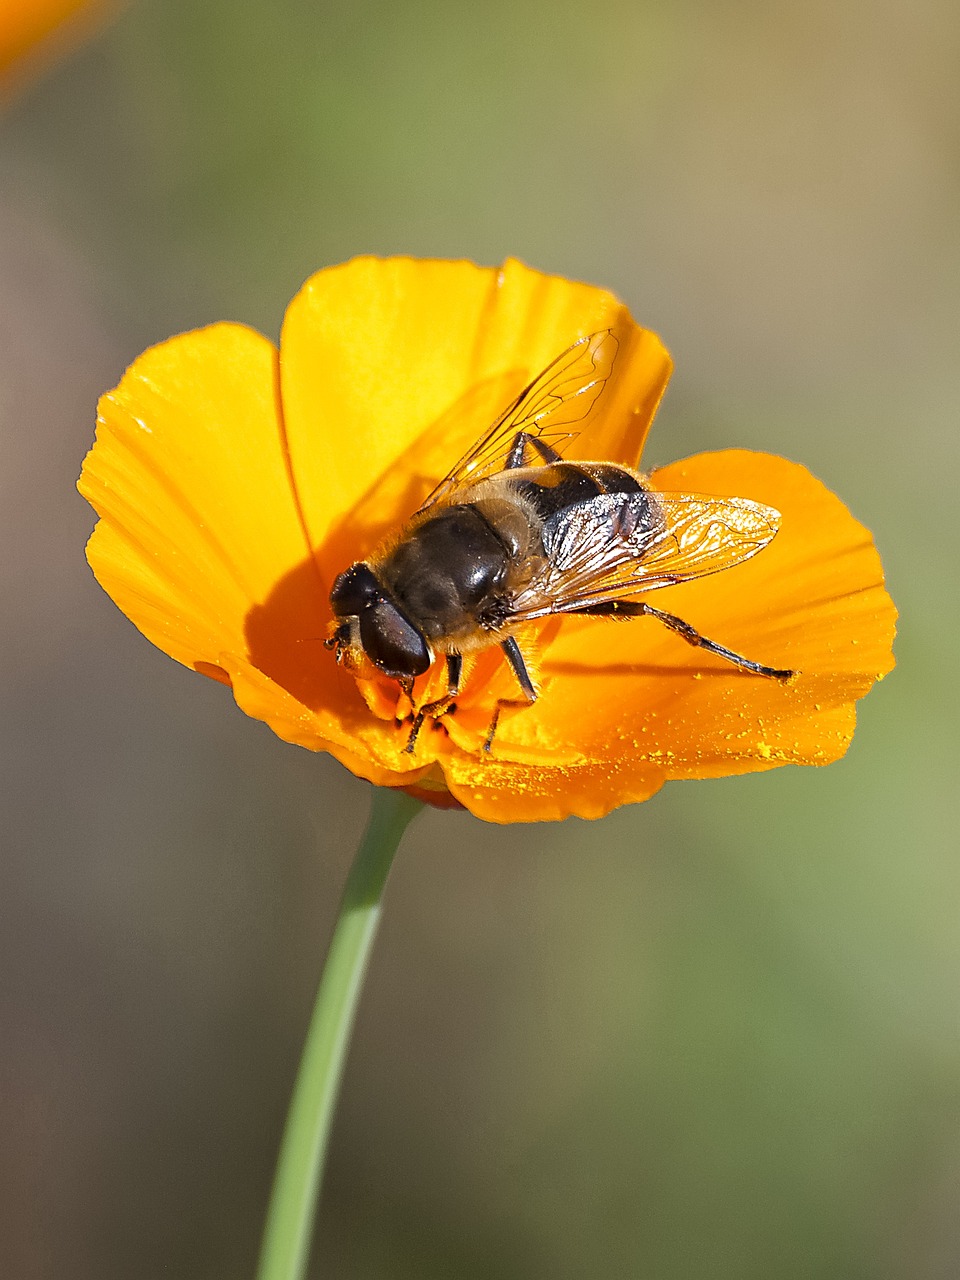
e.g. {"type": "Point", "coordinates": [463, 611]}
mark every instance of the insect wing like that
{"type": "Point", "coordinates": [620, 545]}
{"type": "Point", "coordinates": [557, 399]}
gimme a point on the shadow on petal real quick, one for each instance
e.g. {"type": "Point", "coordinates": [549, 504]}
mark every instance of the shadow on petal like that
{"type": "Point", "coordinates": [285, 637]}
{"type": "Point", "coordinates": [285, 634]}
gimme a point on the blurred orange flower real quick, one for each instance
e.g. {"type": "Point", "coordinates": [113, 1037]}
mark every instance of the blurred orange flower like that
{"type": "Point", "coordinates": [235, 481]}
{"type": "Point", "coordinates": [38, 31]}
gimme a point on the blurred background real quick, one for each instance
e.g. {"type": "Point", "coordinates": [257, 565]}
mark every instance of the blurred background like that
{"type": "Point", "coordinates": [714, 1036]}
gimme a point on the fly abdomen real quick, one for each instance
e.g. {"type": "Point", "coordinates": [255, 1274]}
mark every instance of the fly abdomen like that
{"type": "Point", "coordinates": [613, 479]}
{"type": "Point", "coordinates": [621, 513]}
{"type": "Point", "coordinates": [559, 485]}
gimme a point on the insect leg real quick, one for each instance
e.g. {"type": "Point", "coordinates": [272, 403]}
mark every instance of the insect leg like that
{"type": "Point", "coordinates": [442, 706]}
{"type": "Point", "coordinates": [638, 609]}
{"type": "Point", "coordinates": [513, 655]}
{"type": "Point", "coordinates": [518, 451]}
{"type": "Point", "coordinates": [454, 672]}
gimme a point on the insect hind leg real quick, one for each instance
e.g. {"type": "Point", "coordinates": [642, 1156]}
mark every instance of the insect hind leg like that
{"type": "Point", "coordinates": [639, 609]}
{"type": "Point", "coordinates": [511, 651]}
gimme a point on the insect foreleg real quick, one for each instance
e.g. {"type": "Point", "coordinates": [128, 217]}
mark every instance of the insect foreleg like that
{"type": "Point", "coordinates": [639, 609]}
{"type": "Point", "coordinates": [518, 452]}
{"type": "Point", "coordinates": [442, 706]}
{"type": "Point", "coordinates": [513, 655]}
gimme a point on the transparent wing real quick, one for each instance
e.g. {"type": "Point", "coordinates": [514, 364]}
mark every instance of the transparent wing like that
{"type": "Point", "coordinates": [555, 401]}
{"type": "Point", "coordinates": [620, 545]}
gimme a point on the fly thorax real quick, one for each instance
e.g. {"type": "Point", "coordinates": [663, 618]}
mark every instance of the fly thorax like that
{"type": "Point", "coordinates": [446, 569]}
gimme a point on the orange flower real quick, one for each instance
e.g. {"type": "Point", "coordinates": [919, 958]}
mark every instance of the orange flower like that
{"type": "Point", "coordinates": [41, 30]}
{"type": "Point", "coordinates": [234, 482]}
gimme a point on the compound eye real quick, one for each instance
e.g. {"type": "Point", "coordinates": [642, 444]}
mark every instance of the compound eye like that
{"type": "Point", "coordinates": [354, 590]}
{"type": "Point", "coordinates": [391, 642]}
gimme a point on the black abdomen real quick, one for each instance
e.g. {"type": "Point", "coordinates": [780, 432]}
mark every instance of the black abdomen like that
{"type": "Point", "coordinates": [564, 484]}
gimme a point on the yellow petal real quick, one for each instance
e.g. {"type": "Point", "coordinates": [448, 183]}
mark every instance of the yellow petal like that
{"type": "Point", "coordinates": [25, 23]}
{"type": "Point", "coordinates": [813, 601]}
{"type": "Point", "coordinates": [392, 368]}
{"type": "Point", "coordinates": [189, 476]}
{"type": "Point", "coordinates": [499, 791]}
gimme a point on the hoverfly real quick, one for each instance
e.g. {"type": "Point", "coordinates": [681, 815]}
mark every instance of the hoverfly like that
{"type": "Point", "coordinates": [514, 533]}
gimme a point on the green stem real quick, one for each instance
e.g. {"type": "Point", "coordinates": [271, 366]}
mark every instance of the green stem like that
{"type": "Point", "coordinates": [296, 1184]}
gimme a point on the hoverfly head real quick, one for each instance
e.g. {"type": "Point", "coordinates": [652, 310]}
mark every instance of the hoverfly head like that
{"type": "Point", "coordinates": [370, 620]}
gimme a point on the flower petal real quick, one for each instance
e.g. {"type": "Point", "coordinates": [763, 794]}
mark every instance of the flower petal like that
{"type": "Point", "coordinates": [190, 479]}
{"type": "Point", "coordinates": [392, 368]}
{"type": "Point", "coordinates": [812, 601]}
{"type": "Point", "coordinates": [26, 24]}
{"type": "Point", "coordinates": [500, 791]}
{"type": "Point", "coordinates": [356, 743]}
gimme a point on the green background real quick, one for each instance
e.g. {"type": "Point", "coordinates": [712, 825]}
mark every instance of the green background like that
{"type": "Point", "coordinates": [713, 1037]}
